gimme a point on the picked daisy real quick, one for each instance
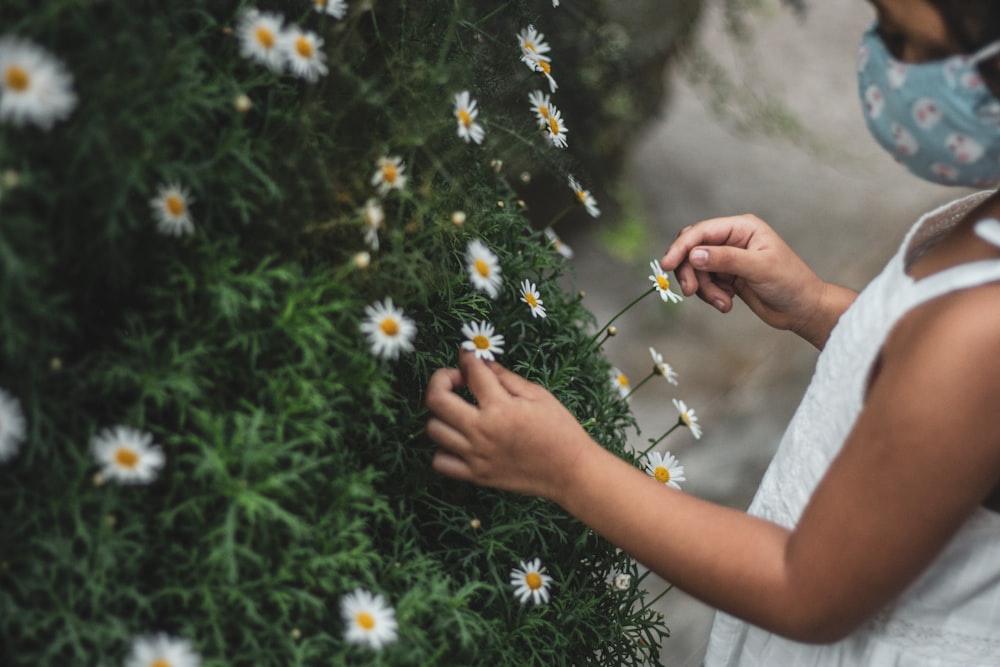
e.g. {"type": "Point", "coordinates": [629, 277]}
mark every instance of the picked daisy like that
{"type": "Point", "coordinates": [304, 53]}
{"type": "Point", "coordinates": [660, 367]}
{"type": "Point", "coordinates": [531, 582]}
{"type": "Point", "coordinates": [665, 469]}
{"type": "Point", "coordinates": [533, 46]}
{"type": "Point", "coordinates": [687, 418]}
{"type": "Point", "coordinates": [484, 268]}
{"type": "Point", "coordinates": [335, 8]}
{"type": "Point", "coordinates": [480, 337]}
{"type": "Point", "coordinates": [662, 283]}
{"type": "Point", "coordinates": [544, 67]}
{"type": "Point", "coordinates": [620, 382]}
{"type": "Point", "coordinates": [389, 332]}
{"type": "Point", "coordinates": [530, 296]}
{"type": "Point", "coordinates": [127, 455]}
{"type": "Point", "coordinates": [555, 128]}
{"type": "Point", "coordinates": [12, 426]}
{"type": "Point", "coordinates": [374, 216]}
{"type": "Point", "coordinates": [558, 244]}
{"type": "Point", "coordinates": [171, 208]}
{"type": "Point", "coordinates": [540, 105]}
{"type": "Point", "coordinates": [162, 650]}
{"type": "Point", "coordinates": [389, 174]}
{"type": "Point", "coordinates": [466, 113]}
{"type": "Point", "coordinates": [35, 86]}
{"type": "Point", "coordinates": [368, 618]}
{"type": "Point", "coordinates": [584, 197]}
{"type": "Point", "coordinates": [259, 35]}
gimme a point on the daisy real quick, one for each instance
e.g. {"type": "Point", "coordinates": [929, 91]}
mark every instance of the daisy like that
{"type": "Point", "coordinates": [540, 105]}
{"type": "Point", "coordinates": [620, 382]}
{"type": "Point", "coordinates": [374, 216]}
{"type": "Point", "coordinates": [621, 581]}
{"type": "Point", "coordinates": [259, 34]}
{"type": "Point", "coordinates": [530, 581]}
{"type": "Point", "coordinates": [368, 618]}
{"type": "Point", "coordinates": [584, 197]}
{"type": "Point", "coordinates": [171, 210]}
{"type": "Point", "coordinates": [484, 268]}
{"type": "Point", "coordinates": [660, 367]}
{"type": "Point", "coordinates": [662, 283]}
{"type": "Point", "coordinates": [389, 332]}
{"type": "Point", "coordinates": [545, 68]}
{"type": "Point", "coordinates": [665, 469]}
{"type": "Point", "coordinates": [533, 46]}
{"type": "Point", "coordinates": [34, 86]}
{"type": "Point", "coordinates": [482, 340]}
{"type": "Point", "coordinates": [127, 455]}
{"type": "Point", "coordinates": [687, 418]}
{"type": "Point", "coordinates": [530, 295]}
{"type": "Point", "coordinates": [12, 426]}
{"type": "Point", "coordinates": [466, 113]}
{"type": "Point", "coordinates": [304, 53]}
{"type": "Point", "coordinates": [557, 243]}
{"type": "Point", "coordinates": [335, 8]}
{"type": "Point", "coordinates": [161, 650]}
{"type": "Point", "coordinates": [389, 174]}
{"type": "Point", "coordinates": [555, 128]}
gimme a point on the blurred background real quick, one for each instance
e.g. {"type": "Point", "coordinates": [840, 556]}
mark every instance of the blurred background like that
{"type": "Point", "coordinates": [782, 138]}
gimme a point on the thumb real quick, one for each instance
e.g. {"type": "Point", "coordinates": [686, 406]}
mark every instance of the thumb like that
{"type": "Point", "coordinates": [745, 264]}
{"type": "Point", "coordinates": [480, 379]}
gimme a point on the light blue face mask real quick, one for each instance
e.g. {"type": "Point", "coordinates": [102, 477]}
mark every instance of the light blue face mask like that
{"type": "Point", "coordinates": [937, 118]}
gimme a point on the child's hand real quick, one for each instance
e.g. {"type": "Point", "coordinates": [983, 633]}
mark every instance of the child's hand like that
{"type": "Point", "coordinates": [517, 436]}
{"type": "Point", "coordinates": [743, 256]}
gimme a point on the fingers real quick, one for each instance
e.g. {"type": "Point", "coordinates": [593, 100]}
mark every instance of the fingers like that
{"type": "Point", "coordinates": [481, 380]}
{"type": "Point", "coordinates": [447, 436]}
{"type": "Point", "coordinates": [514, 383]}
{"type": "Point", "coordinates": [448, 464]}
{"type": "Point", "coordinates": [729, 231]}
{"type": "Point", "coordinates": [442, 400]}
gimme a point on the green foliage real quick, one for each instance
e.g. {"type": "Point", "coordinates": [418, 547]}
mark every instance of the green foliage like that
{"type": "Point", "coordinates": [296, 469]}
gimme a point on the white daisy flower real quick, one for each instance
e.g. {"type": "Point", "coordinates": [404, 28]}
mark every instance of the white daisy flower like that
{"type": "Point", "coordinates": [665, 469]}
{"type": "Point", "coordinates": [540, 105]}
{"type": "Point", "coordinates": [35, 86]}
{"type": "Point", "coordinates": [544, 67]}
{"type": "Point", "coordinates": [12, 426]}
{"type": "Point", "coordinates": [481, 339]}
{"type": "Point", "coordinates": [555, 3]}
{"type": "Point", "coordinates": [530, 296]}
{"type": "Point", "coordinates": [466, 113]}
{"type": "Point", "coordinates": [171, 208]}
{"type": "Point", "coordinates": [688, 418]}
{"type": "Point", "coordinates": [335, 8]}
{"type": "Point", "coordinates": [660, 367]}
{"type": "Point", "coordinates": [557, 243]}
{"type": "Point", "coordinates": [621, 581]}
{"type": "Point", "coordinates": [374, 216]}
{"type": "Point", "coordinates": [662, 283]}
{"type": "Point", "coordinates": [389, 174]}
{"type": "Point", "coordinates": [584, 197]}
{"type": "Point", "coordinates": [555, 129]}
{"type": "Point", "coordinates": [127, 455]}
{"type": "Point", "coordinates": [389, 332]}
{"type": "Point", "coordinates": [533, 46]}
{"type": "Point", "coordinates": [368, 618]}
{"type": "Point", "coordinates": [259, 35]}
{"type": "Point", "coordinates": [304, 53]}
{"type": "Point", "coordinates": [620, 382]}
{"type": "Point", "coordinates": [161, 650]}
{"type": "Point", "coordinates": [531, 582]}
{"type": "Point", "coordinates": [484, 268]}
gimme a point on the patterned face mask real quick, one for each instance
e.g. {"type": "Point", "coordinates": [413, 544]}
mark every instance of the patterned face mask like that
{"type": "Point", "coordinates": [937, 118]}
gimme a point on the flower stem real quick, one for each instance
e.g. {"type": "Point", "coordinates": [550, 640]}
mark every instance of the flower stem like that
{"type": "Point", "coordinates": [561, 215]}
{"type": "Point", "coordinates": [636, 388]}
{"type": "Point", "coordinates": [660, 439]}
{"type": "Point", "coordinates": [620, 313]}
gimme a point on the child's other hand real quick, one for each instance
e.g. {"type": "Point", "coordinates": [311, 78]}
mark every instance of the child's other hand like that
{"type": "Point", "coordinates": [517, 436]}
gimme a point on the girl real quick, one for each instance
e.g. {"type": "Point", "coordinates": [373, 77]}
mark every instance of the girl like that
{"type": "Point", "coordinates": [875, 536]}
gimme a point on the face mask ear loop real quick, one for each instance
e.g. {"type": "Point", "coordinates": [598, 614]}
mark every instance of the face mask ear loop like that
{"type": "Point", "coordinates": [986, 52]}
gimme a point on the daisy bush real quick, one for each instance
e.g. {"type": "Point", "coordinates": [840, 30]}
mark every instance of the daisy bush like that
{"type": "Point", "coordinates": [235, 241]}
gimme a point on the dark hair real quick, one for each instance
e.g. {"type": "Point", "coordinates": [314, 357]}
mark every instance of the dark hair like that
{"type": "Point", "coordinates": [974, 24]}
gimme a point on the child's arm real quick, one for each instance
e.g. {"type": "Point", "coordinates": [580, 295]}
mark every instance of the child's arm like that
{"type": "Point", "coordinates": [743, 256]}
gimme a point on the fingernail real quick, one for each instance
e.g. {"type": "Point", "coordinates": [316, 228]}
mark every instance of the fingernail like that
{"type": "Point", "coordinates": [718, 304]}
{"type": "Point", "coordinates": [699, 256]}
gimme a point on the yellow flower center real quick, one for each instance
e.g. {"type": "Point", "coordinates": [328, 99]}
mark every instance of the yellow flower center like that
{"type": "Point", "coordinates": [482, 268]}
{"type": "Point", "coordinates": [481, 342]}
{"type": "Point", "coordinates": [686, 419]}
{"type": "Point", "coordinates": [264, 37]}
{"type": "Point", "coordinates": [547, 68]}
{"type": "Point", "coordinates": [553, 125]}
{"type": "Point", "coordinates": [622, 379]}
{"type": "Point", "coordinates": [365, 620]}
{"type": "Point", "coordinates": [389, 326]}
{"type": "Point", "coordinates": [320, 3]}
{"type": "Point", "coordinates": [581, 195]}
{"type": "Point", "coordinates": [389, 173]}
{"type": "Point", "coordinates": [464, 118]}
{"type": "Point", "coordinates": [160, 662]}
{"type": "Point", "coordinates": [533, 580]}
{"type": "Point", "coordinates": [530, 46]}
{"type": "Point", "coordinates": [661, 474]}
{"type": "Point", "coordinates": [663, 282]}
{"type": "Point", "coordinates": [544, 110]}
{"type": "Point", "coordinates": [304, 47]}
{"type": "Point", "coordinates": [126, 458]}
{"type": "Point", "coordinates": [174, 205]}
{"type": "Point", "coordinates": [16, 79]}
{"type": "Point", "coordinates": [530, 298]}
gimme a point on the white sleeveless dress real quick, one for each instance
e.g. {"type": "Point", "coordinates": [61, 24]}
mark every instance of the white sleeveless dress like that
{"type": "Point", "coordinates": [950, 616]}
